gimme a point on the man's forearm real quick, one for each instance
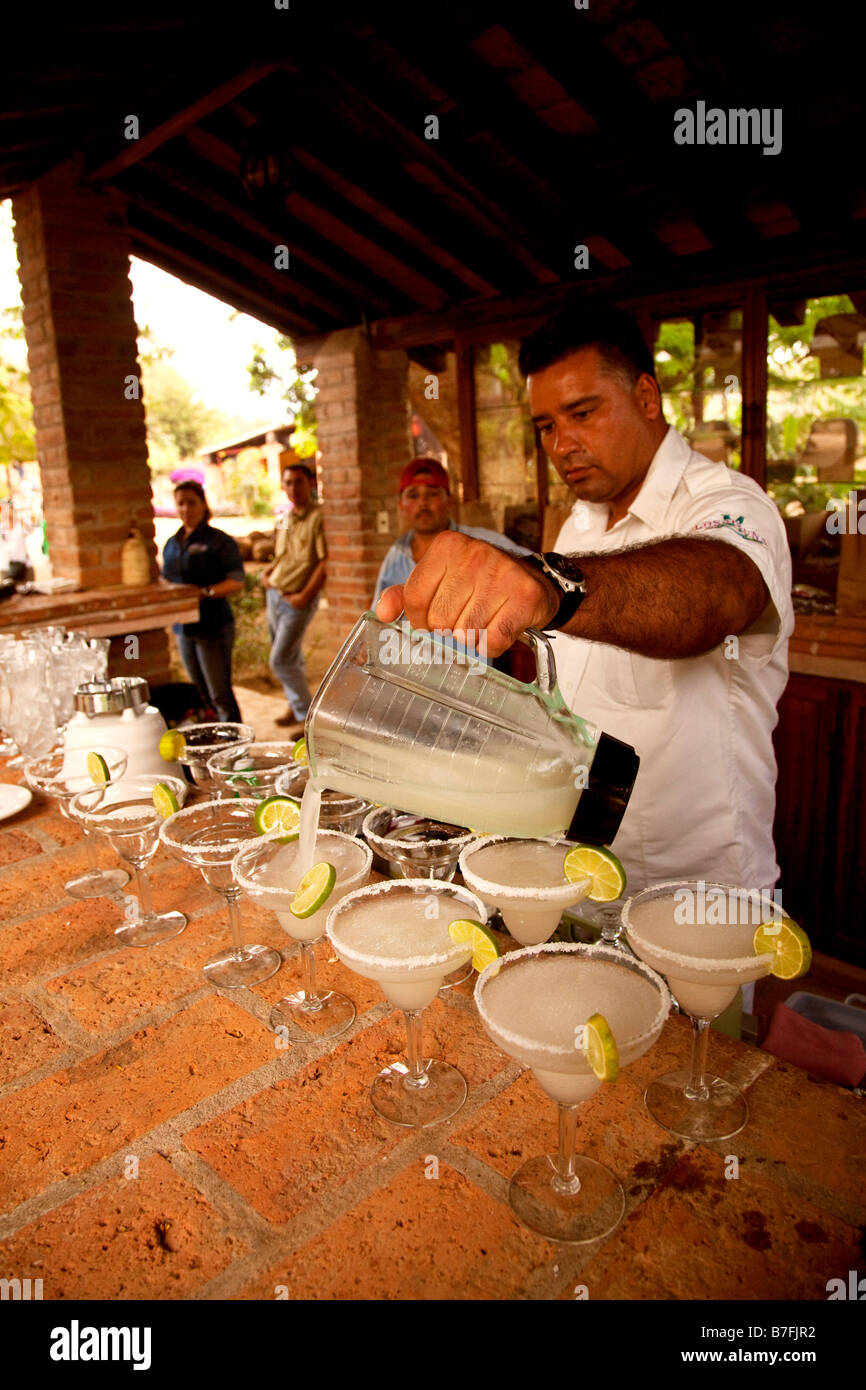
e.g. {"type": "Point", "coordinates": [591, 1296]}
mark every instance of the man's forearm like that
{"type": "Point", "coordinates": [313, 584]}
{"type": "Point", "coordinates": [673, 598]}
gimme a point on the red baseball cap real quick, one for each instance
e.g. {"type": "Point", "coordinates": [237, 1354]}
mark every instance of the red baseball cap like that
{"type": "Point", "coordinates": [428, 468]}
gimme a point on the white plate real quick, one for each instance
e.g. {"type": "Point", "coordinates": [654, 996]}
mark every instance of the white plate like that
{"type": "Point", "coordinates": [13, 799]}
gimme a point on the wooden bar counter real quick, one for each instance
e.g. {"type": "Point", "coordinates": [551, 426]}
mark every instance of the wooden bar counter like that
{"type": "Point", "coordinates": [158, 1144]}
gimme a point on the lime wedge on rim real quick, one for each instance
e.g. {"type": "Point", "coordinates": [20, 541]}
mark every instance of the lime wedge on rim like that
{"type": "Point", "coordinates": [485, 947]}
{"type": "Point", "coordinates": [97, 768]}
{"type": "Point", "coordinates": [600, 1048]}
{"type": "Point", "coordinates": [172, 745]}
{"type": "Point", "coordinates": [790, 946]}
{"type": "Point", "coordinates": [597, 863]}
{"type": "Point", "coordinates": [313, 890]}
{"type": "Point", "coordinates": [165, 800]}
{"type": "Point", "coordinates": [278, 813]}
{"type": "Point", "coordinates": [299, 752]}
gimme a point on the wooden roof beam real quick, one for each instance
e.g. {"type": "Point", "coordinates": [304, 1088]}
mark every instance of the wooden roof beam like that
{"type": "Point", "coordinates": [178, 114]}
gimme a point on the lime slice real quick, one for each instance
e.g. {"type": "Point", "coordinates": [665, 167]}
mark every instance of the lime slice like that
{"type": "Point", "coordinates": [485, 947]}
{"type": "Point", "coordinates": [605, 870]}
{"type": "Point", "coordinates": [172, 745]}
{"type": "Point", "coordinates": [165, 800]}
{"type": "Point", "coordinates": [97, 767]}
{"type": "Point", "coordinates": [789, 944]}
{"type": "Point", "coordinates": [299, 752]}
{"type": "Point", "coordinates": [278, 813]}
{"type": "Point", "coordinates": [313, 890]}
{"type": "Point", "coordinates": [600, 1048]}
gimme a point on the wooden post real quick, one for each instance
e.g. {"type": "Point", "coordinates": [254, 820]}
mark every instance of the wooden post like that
{"type": "Point", "coordinates": [466, 413]}
{"type": "Point", "coordinates": [754, 435]}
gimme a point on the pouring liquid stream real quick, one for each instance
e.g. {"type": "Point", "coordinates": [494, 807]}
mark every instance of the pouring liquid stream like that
{"type": "Point", "coordinates": [311, 802]}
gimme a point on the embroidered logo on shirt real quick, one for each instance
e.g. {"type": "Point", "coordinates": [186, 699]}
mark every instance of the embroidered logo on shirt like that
{"type": "Point", "coordinates": [736, 524]}
{"type": "Point", "coordinates": [197, 549]}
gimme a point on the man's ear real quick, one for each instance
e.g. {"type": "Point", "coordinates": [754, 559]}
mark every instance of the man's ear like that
{"type": "Point", "coordinates": [647, 392]}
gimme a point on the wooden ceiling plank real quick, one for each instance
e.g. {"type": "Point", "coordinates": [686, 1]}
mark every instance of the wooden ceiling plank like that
{"type": "Point", "coordinates": [473, 205]}
{"type": "Point", "coordinates": [485, 106]}
{"type": "Point", "coordinates": [182, 116]}
{"type": "Point", "coordinates": [233, 212]}
{"type": "Point", "coordinates": [260, 269]}
{"type": "Point", "coordinates": [365, 251]}
{"type": "Point", "coordinates": [395, 223]}
{"type": "Point", "coordinates": [218, 152]}
{"type": "Point", "coordinates": [187, 267]}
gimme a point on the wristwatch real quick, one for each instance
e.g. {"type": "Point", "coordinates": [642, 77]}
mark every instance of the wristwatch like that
{"type": "Point", "coordinates": [568, 579]}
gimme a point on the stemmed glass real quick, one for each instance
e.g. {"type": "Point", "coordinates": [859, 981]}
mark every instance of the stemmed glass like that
{"type": "Point", "coordinates": [203, 740]}
{"type": "Point", "coordinates": [124, 811]}
{"type": "Point", "coordinates": [249, 770]}
{"type": "Point", "coordinates": [414, 847]}
{"type": "Point", "coordinates": [208, 836]}
{"type": "Point", "coordinates": [397, 934]}
{"type": "Point", "coordinates": [536, 1004]}
{"type": "Point", "coordinates": [336, 811]}
{"type": "Point", "coordinates": [525, 880]}
{"type": "Point", "coordinates": [62, 774]}
{"type": "Point", "coordinates": [266, 871]}
{"type": "Point", "coordinates": [705, 963]}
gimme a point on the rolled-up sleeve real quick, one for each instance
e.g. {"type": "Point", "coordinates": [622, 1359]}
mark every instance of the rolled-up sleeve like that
{"type": "Point", "coordinates": [749, 520]}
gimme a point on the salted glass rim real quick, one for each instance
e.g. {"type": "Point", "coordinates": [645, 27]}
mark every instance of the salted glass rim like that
{"type": "Point", "coordinates": [84, 813]}
{"type": "Point", "coordinates": [247, 736]}
{"type": "Point", "coordinates": [230, 750]}
{"type": "Point", "coordinates": [424, 885]}
{"type": "Point", "coordinates": [590, 950]}
{"type": "Point", "coordinates": [253, 887]}
{"type": "Point", "coordinates": [699, 964]}
{"type": "Point", "coordinates": [54, 786]}
{"type": "Point", "coordinates": [225, 807]}
{"type": "Point", "coordinates": [559, 893]}
{"type": "Point", "coordinates": [393, 843]}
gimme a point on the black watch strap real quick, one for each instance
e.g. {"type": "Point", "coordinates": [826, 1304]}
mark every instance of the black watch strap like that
{"type": "Point", "coordinates": [571, 586]}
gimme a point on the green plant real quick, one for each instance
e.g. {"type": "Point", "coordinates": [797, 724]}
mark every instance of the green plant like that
{"type": "Point", "coordinates": [252, 639]}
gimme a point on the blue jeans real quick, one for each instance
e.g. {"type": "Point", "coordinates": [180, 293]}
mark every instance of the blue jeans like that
{"type": "Point", "coordinates": [287, 626]}
{"type": "Point", "coordinates": [208, 661]}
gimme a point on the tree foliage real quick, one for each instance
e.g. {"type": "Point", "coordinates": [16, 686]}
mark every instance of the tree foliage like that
{"type": "Point", "coordinates": [293, 385]}
{"type": "Point", "coordinates": [17, 433]}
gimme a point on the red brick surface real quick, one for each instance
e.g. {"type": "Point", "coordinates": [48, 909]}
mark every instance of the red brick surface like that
{"type": "Point", "coordinates": [264, 1170]}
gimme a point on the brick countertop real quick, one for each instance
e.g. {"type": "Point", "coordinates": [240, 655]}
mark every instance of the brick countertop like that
{"type": "Point", "coordinates": [156, 1143]}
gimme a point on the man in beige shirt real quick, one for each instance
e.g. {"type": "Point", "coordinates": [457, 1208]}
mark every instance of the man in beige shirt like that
{"type": "Point", "coordinates": [292, 583]}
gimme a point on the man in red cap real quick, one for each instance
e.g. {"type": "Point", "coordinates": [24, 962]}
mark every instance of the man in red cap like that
{"type": "Point", "coordinates": [425, 506]}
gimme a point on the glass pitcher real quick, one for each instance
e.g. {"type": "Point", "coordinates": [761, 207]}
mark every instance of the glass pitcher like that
{"type": "Point", "coordinates": [406, 720]}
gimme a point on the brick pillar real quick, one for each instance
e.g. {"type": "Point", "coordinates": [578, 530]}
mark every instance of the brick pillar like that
{"type": "Point", "coordinates": [363, 430]}
{"type": "Point", "coordinates": [73, 249]}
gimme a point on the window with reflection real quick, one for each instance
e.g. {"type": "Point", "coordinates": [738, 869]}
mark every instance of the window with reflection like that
{"type": "Point", "coordinates": [699, 366]}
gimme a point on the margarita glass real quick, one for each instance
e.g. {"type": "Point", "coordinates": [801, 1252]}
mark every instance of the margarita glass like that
{"type": "Point", "coordinates": [535, 1005]}
{"type": "Point", "coordinates": [250, 771]}
{"type": "Point", "coordinates": [267, 872]}
{"type": "Point", "coordinates": [125, 813]}
{"type": "Point", "coordinates": [397, 934]}
{"type": "Point", "coordinates": [336, 811]}
{"type": "Point", "coordinates": [63, 774]}
{"type": "Point", "coordinates": [705, 964]}
{"type": "Point", "coordinates": [203, 740]}
{"type": "Point", "coordinates": [524, 879]}
{"type": "Point", "coordinates": [414, 847]}
{"type": "Point", "coordinates": [208, 836]}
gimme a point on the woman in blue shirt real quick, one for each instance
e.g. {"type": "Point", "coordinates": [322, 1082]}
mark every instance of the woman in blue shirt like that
{"type": "Point", "coordinates": [199, 554]}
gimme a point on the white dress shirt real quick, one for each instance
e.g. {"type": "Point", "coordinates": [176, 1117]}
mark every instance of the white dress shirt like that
{"type": "Point", "coordinates": [704, 799]}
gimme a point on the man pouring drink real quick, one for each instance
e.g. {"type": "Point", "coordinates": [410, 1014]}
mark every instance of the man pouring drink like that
{"type": "Point", "coordinates": [667, 596]}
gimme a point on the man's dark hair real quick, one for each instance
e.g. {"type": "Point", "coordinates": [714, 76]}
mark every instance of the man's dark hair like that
{"type": "Point", "coordinates": [612, 332]}
{"type": "Point", "coordinates": [299, 468]}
